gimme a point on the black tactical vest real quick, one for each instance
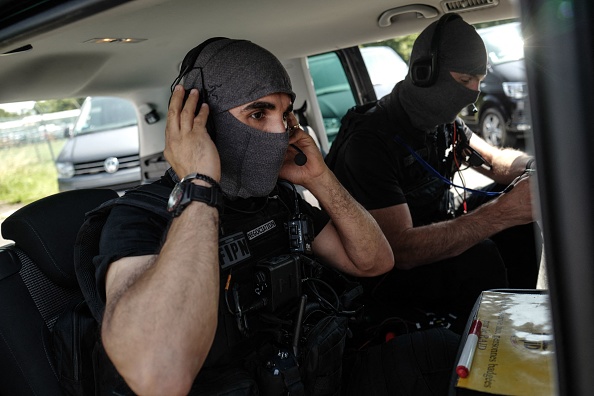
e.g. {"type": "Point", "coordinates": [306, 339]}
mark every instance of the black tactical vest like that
{"type": "Point", "coordinates": [264, 289]}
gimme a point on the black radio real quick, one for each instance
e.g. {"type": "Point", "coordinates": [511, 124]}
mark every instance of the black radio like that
{"type": "Point", "coordinates": [278, 281]}
{"type": "Point", "coordinates": [270, 286]}
{"type": "Point", "coordinates": [300, 234]}
{"type": "Point", "coordinates": [299, 227]}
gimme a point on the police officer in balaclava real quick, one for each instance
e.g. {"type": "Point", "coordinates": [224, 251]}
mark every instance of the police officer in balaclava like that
{"type": "Point", "coordinates": [250, 158]}
{"type": "Point", "coordinates": [398, 157]}
{"type": "Point", "coordinates": [158, 276]}
{"type": "Point", "coordinates": [429, 94]}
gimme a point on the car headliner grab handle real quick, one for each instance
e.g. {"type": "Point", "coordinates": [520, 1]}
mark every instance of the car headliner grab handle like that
{"type": "Point", "coordinates": [385, 18]}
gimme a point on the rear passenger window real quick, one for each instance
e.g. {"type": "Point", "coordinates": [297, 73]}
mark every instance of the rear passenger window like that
{"type": "Point", "coordinates": [334, 93]}
{"type": "Point", "coordinates": [332, 89]}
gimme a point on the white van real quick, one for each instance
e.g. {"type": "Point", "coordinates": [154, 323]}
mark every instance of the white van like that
{"type": "Point", "coordinates": [102, 151]}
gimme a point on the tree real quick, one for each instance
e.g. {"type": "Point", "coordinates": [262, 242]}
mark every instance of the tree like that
{"type": "Point", "coordinates": [402, 45]}
{"type": "Point", "coordinates": [7, 114]}
{"type": "Point", "coordinates": [52, 106]}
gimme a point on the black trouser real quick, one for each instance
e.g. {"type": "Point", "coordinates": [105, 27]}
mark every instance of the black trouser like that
{"type": "Point", "coordinates": [416, 364]}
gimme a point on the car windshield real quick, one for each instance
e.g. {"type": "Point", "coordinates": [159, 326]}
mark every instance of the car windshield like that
{"type": "Point", "coordinates": [504, 43]}
{"type": "Point", "coordinates": [103, 113]}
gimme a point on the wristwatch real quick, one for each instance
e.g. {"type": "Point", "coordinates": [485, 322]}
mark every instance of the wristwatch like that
{"type": "Point", "coordinates": [185, 192]}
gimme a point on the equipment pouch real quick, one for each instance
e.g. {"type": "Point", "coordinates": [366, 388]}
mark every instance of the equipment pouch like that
{"type": "Point", "coordinates": [321, 363]}
{"type": "Point", "coordinates": [73, 336]}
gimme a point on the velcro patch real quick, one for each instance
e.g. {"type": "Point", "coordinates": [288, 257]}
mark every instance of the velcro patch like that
{"type": "Point", "coordinates": [233, 249]}
{"type": "Point", "coordinates": [264, 228]}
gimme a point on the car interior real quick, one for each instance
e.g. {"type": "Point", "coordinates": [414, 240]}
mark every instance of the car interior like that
{"type": "Point", "coordinates": [133, 49]}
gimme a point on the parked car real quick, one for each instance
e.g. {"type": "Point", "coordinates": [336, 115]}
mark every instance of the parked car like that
{"type": "Point", "coordinates": [502, 114]}
{"type": "Point", "coordinates": [91, 158]}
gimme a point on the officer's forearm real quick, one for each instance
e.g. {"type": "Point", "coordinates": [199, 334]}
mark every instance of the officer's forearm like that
{"type": "Point", "coordinates": [159, 326]}
{"type": "Point", "coordinates": [363, 240]}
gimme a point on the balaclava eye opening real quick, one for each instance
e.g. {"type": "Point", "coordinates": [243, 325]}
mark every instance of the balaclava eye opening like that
{"type": "Point", "coordinates": [461, 50]}
{"type": "Point", "coordinates": [236, 72]}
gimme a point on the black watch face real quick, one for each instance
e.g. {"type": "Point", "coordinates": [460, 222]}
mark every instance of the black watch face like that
{"type": "Point", "coordinates": [175, 197]}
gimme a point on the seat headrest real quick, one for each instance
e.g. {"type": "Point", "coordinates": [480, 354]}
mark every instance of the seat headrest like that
{"type": "Point", "coordinates": [46, 230]}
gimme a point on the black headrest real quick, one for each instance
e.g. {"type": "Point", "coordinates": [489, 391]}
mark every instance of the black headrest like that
{"type": "Point", "coordinates": [46, 230]}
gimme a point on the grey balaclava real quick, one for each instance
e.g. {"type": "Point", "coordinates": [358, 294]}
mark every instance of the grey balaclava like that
{"type": "Point", "coordinates": [236, 72]}
{"type": "Point", "coordinates": [461, 50]}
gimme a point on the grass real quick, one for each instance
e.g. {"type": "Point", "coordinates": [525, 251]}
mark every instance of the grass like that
{"type": "Point", "coordinates": [27, 172]}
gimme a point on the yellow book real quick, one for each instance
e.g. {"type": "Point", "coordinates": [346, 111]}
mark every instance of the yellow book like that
{"type": "Point", "coordinates": [515, 351]}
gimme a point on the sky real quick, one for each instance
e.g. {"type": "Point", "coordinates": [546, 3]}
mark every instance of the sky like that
{"type": "Point", "coordinates": [16, 107]}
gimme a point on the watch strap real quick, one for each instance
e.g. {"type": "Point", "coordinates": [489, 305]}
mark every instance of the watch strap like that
{"type": "Point", "coordinates": [202, 177]}
{"type": "Point", "coordinates": [212, 196]}
{"type": "Point", "coordinates": [209, 195]}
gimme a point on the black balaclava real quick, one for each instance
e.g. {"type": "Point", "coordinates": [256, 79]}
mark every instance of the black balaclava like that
{"type": "Point", "coordinates": [461, 50]}
{"type": "Point", "coordinates": [237, 72]}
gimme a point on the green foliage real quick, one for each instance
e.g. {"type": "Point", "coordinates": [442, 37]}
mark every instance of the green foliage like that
{"type": "Point", "coordinates": [28, 173]}
{"type": "Point", "coordinates": [52, 106]}
{"type": "Point", "coordinates": [44, 107]}
{"type": "Point", "coordinates": [7, 114]}
{"type": "Point", "coordinates": [402, 45]}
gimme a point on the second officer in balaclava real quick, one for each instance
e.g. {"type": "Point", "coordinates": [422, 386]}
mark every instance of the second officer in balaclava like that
{"type": "Point", "coordinates": [398, 157]}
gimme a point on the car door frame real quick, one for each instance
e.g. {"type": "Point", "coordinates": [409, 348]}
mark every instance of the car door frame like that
{"type": "Point", "coordinates": [559, 62]}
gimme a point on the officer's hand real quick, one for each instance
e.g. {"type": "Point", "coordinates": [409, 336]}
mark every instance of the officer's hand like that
{"type": "Point", "coordinates": [188, 147]}
{"type": "Point", "coordinates": [517, 202]}
{"type": "Point", "coordinates": [313, 167]}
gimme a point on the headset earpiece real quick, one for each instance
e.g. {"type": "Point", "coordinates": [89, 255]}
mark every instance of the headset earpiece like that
{"type": "Point", "coordinates": [424, 71]}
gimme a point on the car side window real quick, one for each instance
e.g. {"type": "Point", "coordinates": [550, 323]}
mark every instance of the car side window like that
{"type": "Point", "coordinates": [333, 90]}
{"type": "Point", "coordinates": [105, 113]}
{"type": "Point", "coordinates": [64, 144]}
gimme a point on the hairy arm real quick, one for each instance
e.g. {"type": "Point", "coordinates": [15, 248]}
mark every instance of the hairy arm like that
{"type": "Point", "coordinates": [507, 163]}
{"type": "Point", "coordinates": [161, 311]}
{"type": "Point", "coordinates": [416, 246]}
{"type": "Point", "coordinates": [352, 241]}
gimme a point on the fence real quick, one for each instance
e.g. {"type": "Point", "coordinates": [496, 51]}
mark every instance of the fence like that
{"type": "Point", "coordinates": [36, 128]}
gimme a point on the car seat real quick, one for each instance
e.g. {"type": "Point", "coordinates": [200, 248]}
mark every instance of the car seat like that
{"type": "Point", "coordinates": [37, 282]}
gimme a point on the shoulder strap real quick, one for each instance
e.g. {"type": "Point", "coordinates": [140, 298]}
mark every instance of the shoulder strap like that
{"type": "Point", "coordinates": [151, 197]}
